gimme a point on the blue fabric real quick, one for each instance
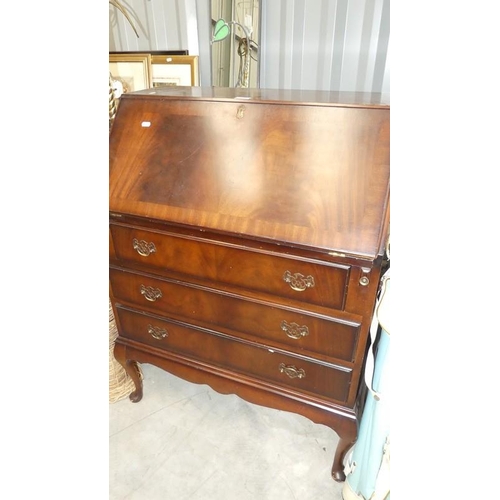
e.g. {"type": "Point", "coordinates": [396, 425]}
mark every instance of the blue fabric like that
{"type": "Point", "coordinates": [374, 426]}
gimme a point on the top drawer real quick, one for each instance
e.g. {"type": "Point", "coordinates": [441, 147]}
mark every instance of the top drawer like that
{"type": "Point", "coordinates": [315, 283]}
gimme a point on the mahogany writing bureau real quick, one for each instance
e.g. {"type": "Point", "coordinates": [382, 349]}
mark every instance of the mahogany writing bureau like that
{"type": "Point", "coordinates": [247, 234]}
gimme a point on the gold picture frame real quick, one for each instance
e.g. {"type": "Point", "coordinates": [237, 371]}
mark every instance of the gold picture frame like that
{"type": "Point", "coordinates": [174, 70]}
{"type": "Point", "coordinates": [133, 71]}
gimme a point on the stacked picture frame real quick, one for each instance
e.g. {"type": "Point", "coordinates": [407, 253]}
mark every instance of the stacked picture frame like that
{"type": "Point", "coordinates": [144, 70]}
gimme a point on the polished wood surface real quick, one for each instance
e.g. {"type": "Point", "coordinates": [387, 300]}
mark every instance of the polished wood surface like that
{"type": "Point", "coordinates": [278, 96]}
{"type": "Point", "coordinates": [307, 175]}
{"type": "Point", "coordinates": [263, 271]}
{"type": "Point", "coordinates": [247, 229]}
{"type": "Point", "coordinates": [326, 380]}
{"type": "Point", "coordinates": [331, 337]}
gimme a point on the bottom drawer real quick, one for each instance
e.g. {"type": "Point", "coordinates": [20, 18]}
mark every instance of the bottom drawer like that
{"type": "Point", "coordinates": [220, 350]}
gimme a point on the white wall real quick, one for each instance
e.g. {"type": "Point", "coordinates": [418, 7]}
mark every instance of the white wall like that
{"type": "Point", "coordinates": [305, 44]}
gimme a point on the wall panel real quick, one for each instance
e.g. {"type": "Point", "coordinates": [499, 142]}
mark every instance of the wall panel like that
{"type": "Point", "coordinates": [305, 44]}
{"type": "Point", "coordinates": [326, 45]}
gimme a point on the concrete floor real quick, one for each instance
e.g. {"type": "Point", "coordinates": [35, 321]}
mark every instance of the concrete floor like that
{"type": "Point", "coordinates": [185, 441]}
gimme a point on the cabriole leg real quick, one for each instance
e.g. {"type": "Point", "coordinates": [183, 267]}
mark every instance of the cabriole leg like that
{"type": "Point", "coordinates": [132, 371]}
{"type": "Point", "coordinates": [338, 462]}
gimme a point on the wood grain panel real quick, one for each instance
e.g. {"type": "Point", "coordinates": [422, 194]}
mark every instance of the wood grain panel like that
{"type": "Point", "coordinates": [327, 381]}
{"type": "Point", "coordinates": [334, 336]}
{"type": "Point", "coordinates": [307, 175]}
{"type": "Point", "coordinates": [218, 263]}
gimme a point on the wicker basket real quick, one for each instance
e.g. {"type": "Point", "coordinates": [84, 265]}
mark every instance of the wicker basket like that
{"type": "Point", "coordinates": [120, 384]}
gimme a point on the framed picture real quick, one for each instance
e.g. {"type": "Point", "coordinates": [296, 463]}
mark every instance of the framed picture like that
{"type": "Point", "coordinates": [172, 70]}
{"type": "Point", "coordinates": [133, 71]}
{"type": "Point", "coordinates": [156, 52]}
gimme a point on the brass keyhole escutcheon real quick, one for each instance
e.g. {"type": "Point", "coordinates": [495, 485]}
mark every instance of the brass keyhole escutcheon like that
{"type": "Point", "coordinates": [241, 112]}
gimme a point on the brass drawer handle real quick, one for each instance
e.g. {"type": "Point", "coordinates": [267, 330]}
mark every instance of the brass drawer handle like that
{"type": "Point", "coordinates": [293, 330]}
{"type": "Point", "coordinates": [156, 332]}
{"type": "Point", "coordinates": [298, 281]}
{"type": "Point", "coordinates": [151, 293]}
{"type": "Point", "coordinates": [143, 247]}
{"type": "Point", "coordinates": [292, 371]}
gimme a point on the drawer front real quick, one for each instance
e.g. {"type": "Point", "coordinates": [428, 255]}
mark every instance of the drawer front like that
{"type": "Point", "coordinates": [209, 347]}
{"type": "Point", "coordinates": [292, 328]}
{"type": "Point", "coordinates": [313, 283]}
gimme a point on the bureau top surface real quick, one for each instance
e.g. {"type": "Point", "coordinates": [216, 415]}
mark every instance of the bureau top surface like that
{"type": "Point", "coordinates": [282, 96]}
{"type": "Point", "coordinates": [304, 168]}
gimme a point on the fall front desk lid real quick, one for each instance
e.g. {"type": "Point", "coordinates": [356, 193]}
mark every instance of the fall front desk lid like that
{"type": "Point", "coordinates": [309, 169]}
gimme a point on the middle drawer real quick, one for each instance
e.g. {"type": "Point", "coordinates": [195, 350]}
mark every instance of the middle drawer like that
{"type": "Point", "coordinates": [291, 327]}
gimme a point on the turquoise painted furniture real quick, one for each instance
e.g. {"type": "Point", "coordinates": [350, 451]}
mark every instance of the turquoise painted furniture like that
{"type": "Point", "coordinates": [367, 466]}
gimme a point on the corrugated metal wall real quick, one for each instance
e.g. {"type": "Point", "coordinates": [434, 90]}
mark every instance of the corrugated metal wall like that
{"type": "Point", "coordinates": [325, 45]}
{"type": "Point", "coordinates": [162, 25]}
{"type": "Point", "coordinates": [305, 44]}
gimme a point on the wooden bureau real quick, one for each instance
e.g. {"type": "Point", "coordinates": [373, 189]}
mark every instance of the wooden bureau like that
{"type": "Point", "coordinates": [247, 236]}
